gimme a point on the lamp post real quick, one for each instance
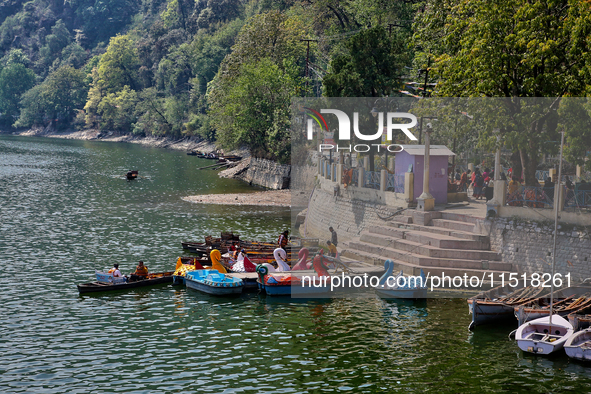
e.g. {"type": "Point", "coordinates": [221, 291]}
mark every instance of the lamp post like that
{"type": "Point", "coordinates": [500, 187]}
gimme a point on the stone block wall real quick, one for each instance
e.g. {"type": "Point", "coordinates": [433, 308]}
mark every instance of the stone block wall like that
{"type": "Point", "coordinates": [528, 246]}
{"type": "Point", "coordinates": [349, 217]}
{"type": "Point", "coordinates": [267, 173]}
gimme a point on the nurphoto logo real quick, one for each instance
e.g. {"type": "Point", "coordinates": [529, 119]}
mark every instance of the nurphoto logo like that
{"type": "Point", "coordinates": [344, 129]}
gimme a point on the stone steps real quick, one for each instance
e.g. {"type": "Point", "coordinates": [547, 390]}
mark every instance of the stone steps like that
{"type": "Point", "coordinates": [432, 239]}
{"type": "Point", "coordinates": [440, 243]}
{"type": "Point", "coordinates": [428, 250]}
{"type": "Point", "coordinates": [440, 230]}
{"type": "Point", "coordinates": [458, 217]}
{"type": "Point", "coordinates": [428, 262]}
{"type": "Point", "coordinates": [412, 269]}
{"type": "Point", "coordinates": [453, 225]}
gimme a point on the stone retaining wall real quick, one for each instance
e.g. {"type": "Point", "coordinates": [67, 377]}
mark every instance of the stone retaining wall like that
{"type": "Point", "coordinates": [349, 217]}
{"type": "Point", "coordinates": [267, 173]}
{"type": "Point", "coordinates": [528, 246]}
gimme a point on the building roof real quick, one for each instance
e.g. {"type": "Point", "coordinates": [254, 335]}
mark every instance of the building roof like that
{"type": "Point", "coordinates": [434, 150]}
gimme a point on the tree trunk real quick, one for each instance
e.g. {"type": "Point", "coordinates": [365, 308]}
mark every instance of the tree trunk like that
{"type": "Point", "coordinates": [529, 169]}
{"type": "Point", "coordinates": [516, 164]}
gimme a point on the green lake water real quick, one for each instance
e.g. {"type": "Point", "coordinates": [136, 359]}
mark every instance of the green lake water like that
{"type": "Point", "coordinates": [66, 210]}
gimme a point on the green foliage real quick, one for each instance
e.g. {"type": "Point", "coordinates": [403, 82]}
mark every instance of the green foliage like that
{"type": "Point", "coordinates": [371, 67]}
{"type": "Point", "coordinates": [58, 99]}
{"type": "Point", "coordinates": [510, 49]}
{"type": "Point", "coordinates": [15, 79]}
{"type": "Point", "coordinates": [118, 66]}
{"type": "Point", "coordinates": [117, 110]}
{"type": "Point", "coordinates": [255, 110]}
{"type": "Point", "coordinates": [272, 35]}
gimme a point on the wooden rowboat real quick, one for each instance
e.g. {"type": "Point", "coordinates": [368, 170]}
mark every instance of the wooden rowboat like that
{"type": "Point", "coordinates": [499, 303]}
{"type": "Point", "coordinates": [153, 279]}
{"type": "Point", "coordinates": [544, 335]}
{"type": "Point", "coordinates": [578, 346]}
{"type": "Point", "coordinates": [574, 299]}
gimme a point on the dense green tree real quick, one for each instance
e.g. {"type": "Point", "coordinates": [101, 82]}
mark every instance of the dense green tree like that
{"type": "Point", "coordinates": [57, 100]}
{"type": "Point", "coordinates": [255, 110]}
{"type": "Point", "coordinates": [272, 35]}
{"type": "Point", "coordinates": [15, 79]}
{"type": "Point", "coordinates": [372, 66]}
{"type": "Point", "coordinates": [510, 49]}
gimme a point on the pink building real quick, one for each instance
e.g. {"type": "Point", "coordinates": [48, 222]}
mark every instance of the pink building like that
{"type": "Point", "coordinates": [412, 159]}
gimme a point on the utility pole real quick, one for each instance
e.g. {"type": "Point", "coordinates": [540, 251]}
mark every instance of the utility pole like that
{"type": "Point", "coordinates": [308, 58]}
{"type": "Point", "coordinates": [426, 77]}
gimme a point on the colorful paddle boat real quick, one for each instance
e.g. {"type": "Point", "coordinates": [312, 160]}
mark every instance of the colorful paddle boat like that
{"type": "Point", "coordinates": [278, 283]}
{"type": "Point", "coordinates": [401, 286]}
{"type": "Point", "coordinates": [184, 265]}
{"type": "Point", "coordinates": [213, 282]}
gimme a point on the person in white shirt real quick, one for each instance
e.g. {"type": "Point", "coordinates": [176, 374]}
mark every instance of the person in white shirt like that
{"type": "Point", "coordinates": [116, 273]}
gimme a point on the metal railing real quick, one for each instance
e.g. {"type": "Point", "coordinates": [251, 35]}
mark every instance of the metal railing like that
{"type": "Point", "coordinates": [395, 183]}
{"type": "Point", "coordinates": [372, 179]}
{"type": "Point", "coordinates": [541, 175]}
{"type": "Point", "coordinates": [577, 198]}
{"type": "Point", "coordinates": [533, 197]}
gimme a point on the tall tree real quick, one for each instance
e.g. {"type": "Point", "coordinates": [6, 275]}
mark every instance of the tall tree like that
{"type": "Point", "coordinates": [15, 79]}
{"type": "Point", "coordinates": [517, 48]}
{"type": "Point", "coordinates": [57, 99]}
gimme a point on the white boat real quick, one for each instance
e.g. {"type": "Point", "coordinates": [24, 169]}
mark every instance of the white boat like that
{"type": "Point", "coordinates": [401, 286]}
{"type": "Point", "coordinates": [544, 335]}
{"type": "Point", "coordinates": [578, 346]}
{"type": "Point", "coordinates": [547, 334]}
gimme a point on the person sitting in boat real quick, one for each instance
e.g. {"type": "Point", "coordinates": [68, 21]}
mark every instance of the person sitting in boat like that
{"type": "Point", "coordinates": [115, 271]}
{"type": "Point", "coordinates": [141, 270]}
{"type": "Point", "coordinates": [332, 249]}
{"type": "Point", "coordinates": [282, 241]}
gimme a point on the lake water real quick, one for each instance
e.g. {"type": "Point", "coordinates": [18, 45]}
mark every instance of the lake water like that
{"type": "Point", "coordinates": [66, 210]}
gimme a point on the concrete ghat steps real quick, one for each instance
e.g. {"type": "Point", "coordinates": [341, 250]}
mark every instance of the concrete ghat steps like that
{"type": "Point", "coordinates": [453, 225]}
{"type": "Point", "coordinates": [412, 269]}
{"type": "Point", "coordinates": [433, 239]}
{"type": "Point", "coordinates": [440, 230]}
{"type": "Point", "coordinates": [428, 250]}
{"type": "Point", "coordinates": [458, 217]}
{"type": "Point", "coordinates": [428, 262]}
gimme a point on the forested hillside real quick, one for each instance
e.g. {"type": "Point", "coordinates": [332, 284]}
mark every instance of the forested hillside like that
{"type": "Point", "coordinates": [225, 70]}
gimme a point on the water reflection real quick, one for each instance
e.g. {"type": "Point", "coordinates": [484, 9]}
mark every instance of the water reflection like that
{"type": "Point", "coordinates": [64, 212]}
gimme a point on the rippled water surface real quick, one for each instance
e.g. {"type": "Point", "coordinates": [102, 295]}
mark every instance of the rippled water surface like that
{"type": "Point", "coordinates": [66, 210]}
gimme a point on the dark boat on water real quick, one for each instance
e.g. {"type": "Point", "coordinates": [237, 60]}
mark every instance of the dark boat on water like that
{"type": "Point", "coordinates": [153, 279]}
{"type": "Point", "coordinates": [131, 175]}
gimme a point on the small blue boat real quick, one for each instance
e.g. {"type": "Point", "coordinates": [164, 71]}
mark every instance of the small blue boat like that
{"type": "Point", "coordinates": [401, 286]}
{"type": "Point", "coordinates": [213, 282]}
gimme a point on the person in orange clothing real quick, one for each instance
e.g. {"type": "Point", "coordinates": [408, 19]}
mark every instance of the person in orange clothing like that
{"type": "Point", "coordinates": [141, 270]}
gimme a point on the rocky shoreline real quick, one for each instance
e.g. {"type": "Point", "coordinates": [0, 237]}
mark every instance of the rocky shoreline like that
{"type": "Point", "coordinates": [243, 170]}
{"type": "Point", "coordinates": [185, 144]}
